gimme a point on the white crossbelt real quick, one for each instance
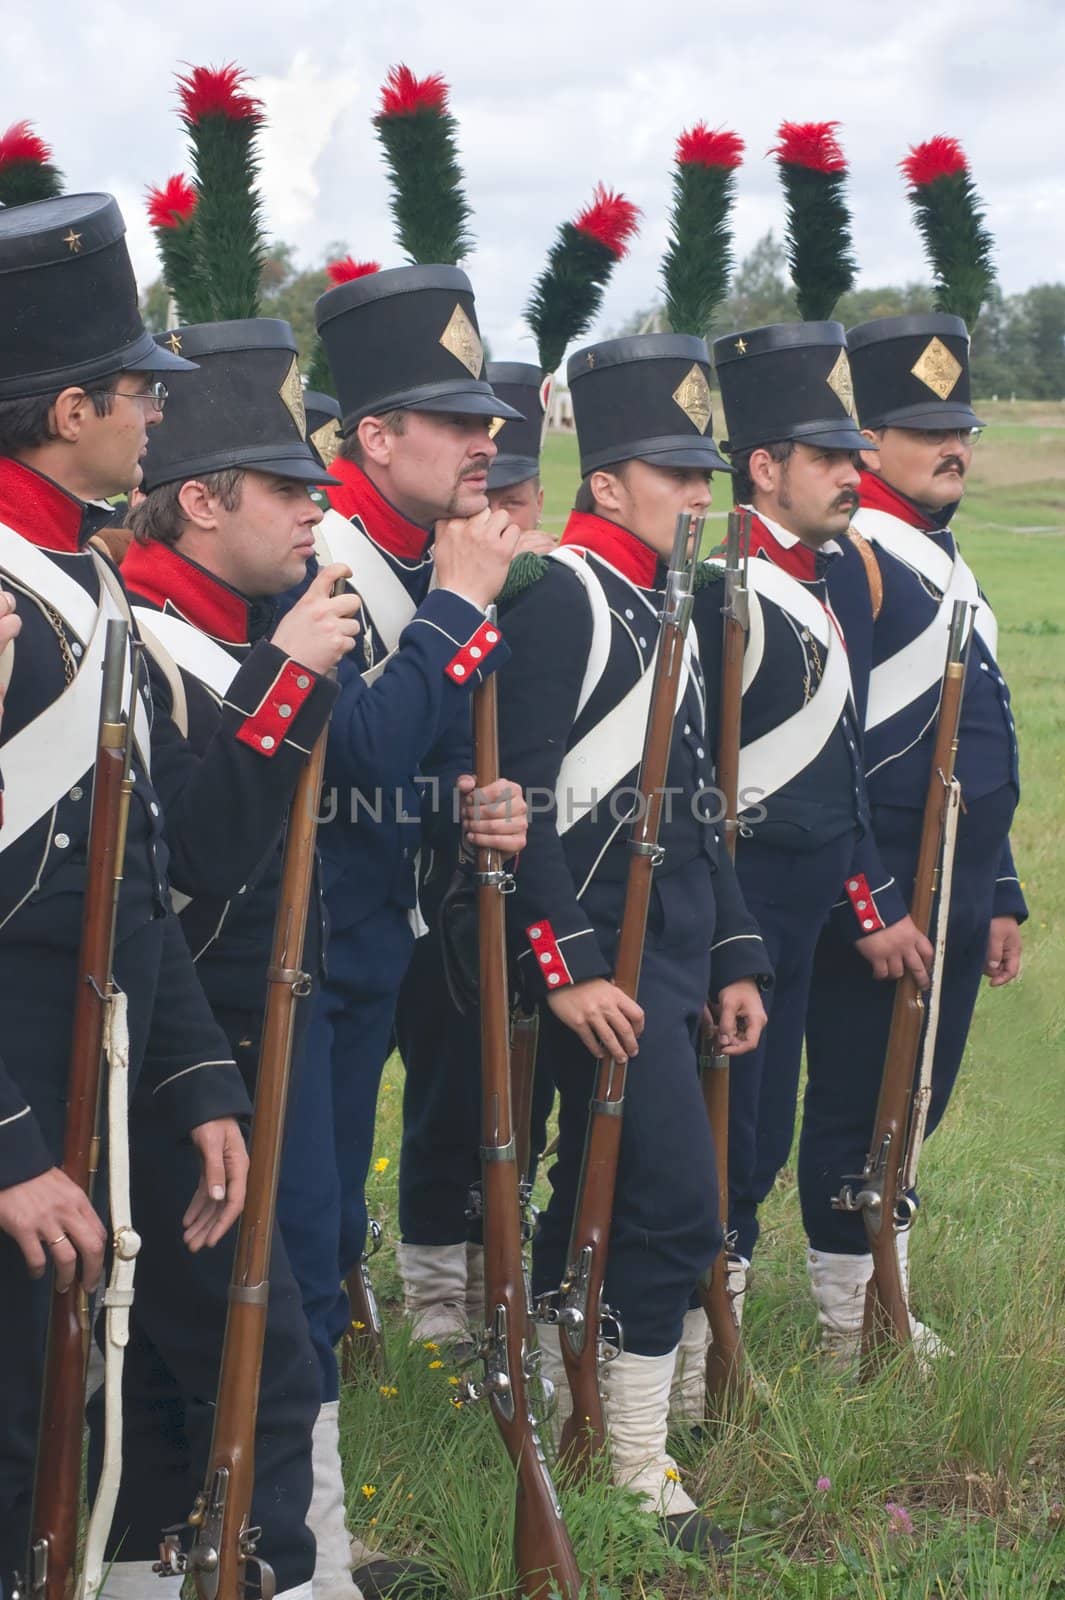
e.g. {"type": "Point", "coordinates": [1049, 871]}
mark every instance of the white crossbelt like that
{"type": "Point", "coordinates": [337, 539]}
{"type": "Point", "coordinates": [771, 761]}
{"type": "Point", "coordinates": [117, 1297]}
{"type": "Point", "coordinates": [47, 758]}
{"type": "Point", "coordinates": [385, 597]}
{"type": "Point", "coordinates": [596, 764]}
{"type": "Point", "coordinates": [197, 652]}
{"type": "Point", "coordinates": [918, 666]}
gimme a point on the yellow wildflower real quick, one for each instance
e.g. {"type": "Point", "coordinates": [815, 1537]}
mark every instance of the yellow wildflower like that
{"type": "Point", "coordinates": [389, 1390]}
{"type": "Point", "coordinates": [427, 1344]}
{"type": "Point", "coordinates": [382, 1164]}
{"type": "Point", "coordinates": [435, 1365]}
{"type": "Point", "coordinates": [454, 1380]}
{"type": "Point", "coordinates": [359, 1327]}
{"type": "Point", "coordinates": [369, 1490]}
{"type": "Point", "coordinates": [672, 1475]}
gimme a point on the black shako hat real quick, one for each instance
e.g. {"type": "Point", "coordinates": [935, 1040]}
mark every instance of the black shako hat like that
{"type": "Point", "coordinates": [644, 398]}
{"type": "Point", "coordinates": [519, 439]}
{"type": "Point", "coordinates": [912, 372]}
{"type": "Point", "coordinates": [406, 339]}
{"type": "Point", "coordinates": [790, 380]}
{"type": "Point", "coordinates": [242, 407]}
{"type": "Point", "coordinates": [69, 298]}
{"type": "Point", "coordinates": [323, 423]}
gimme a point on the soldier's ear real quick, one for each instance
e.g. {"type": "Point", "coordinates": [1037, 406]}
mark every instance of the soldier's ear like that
{"type": "Point", "coordinates": [605, 489]}
{"type": "Point", "coordinates": [375, 440]}
{"type": "Point", "coordinates": [762, 470]}
{"type": "Point", "coordinates": [70, 410]}
{"type": "Point", "coordinates": [198, 506]}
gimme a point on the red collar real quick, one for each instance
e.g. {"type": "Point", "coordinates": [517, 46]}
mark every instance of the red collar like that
{"type": "Point", "coordinates": [356, 496]}
{"type": "Point", "coordinates": [615, 544]}
{"type": "Point", "coordinates": [797, 559]}
{"type": "Point", "coordinates": [876, 495]}
{"type": "Point", "coordinates": [38, 509]}
{"type": "Point", "coordinates": [161, 575]}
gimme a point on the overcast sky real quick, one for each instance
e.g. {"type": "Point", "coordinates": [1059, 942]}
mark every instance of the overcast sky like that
{"type": "Point", "coordinates": [553, 97]}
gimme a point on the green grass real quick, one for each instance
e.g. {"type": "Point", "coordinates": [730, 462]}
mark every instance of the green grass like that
{"type": "Point", "coordinates": [976, 1453]}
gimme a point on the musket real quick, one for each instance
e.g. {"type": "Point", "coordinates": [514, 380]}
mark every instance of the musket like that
{"type": "Point", "coordinates": [224, 1544]}
{"type": "Point", "coordinates": [580, 1309]}
{"type": "Point", "coordinates": [726, 1377]}
{"type": "Point", "coordinates": [881, 1198]}
{"type": "Point", "coordinates": [58, 1477]}
{"type": "Point", "coordinates": [364, 1344]}
{"type": "Point", "coordinates": [543, 1556]}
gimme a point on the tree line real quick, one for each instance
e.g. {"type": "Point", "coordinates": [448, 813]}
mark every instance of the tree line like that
{"type": "Point", "coordinates": [1018, 343]}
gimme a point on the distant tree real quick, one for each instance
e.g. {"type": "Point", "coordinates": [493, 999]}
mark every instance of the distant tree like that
{"type": "Point", "coordinates": [1044, 315]}
{"type": "Point", "coordinates": [760, 290]}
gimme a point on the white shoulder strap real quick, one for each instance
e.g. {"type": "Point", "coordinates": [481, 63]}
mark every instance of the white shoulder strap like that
{"type": "Point", "coordinates": [602, 629]}
{"type": "Point", "coordinates": [908, 674]}
{"type": "Point", "coordinates": [387, 601]}
{"type": "Point", "coordinates": [199, 654]}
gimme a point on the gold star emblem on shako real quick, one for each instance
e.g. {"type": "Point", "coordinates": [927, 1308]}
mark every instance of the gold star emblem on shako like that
{"type": "Point", "coordinates": [495, 425]}
{"type": "Point", "coordinates": [326, 440]}
{"type": "Point", "coordinates": [692, 394]}
{"type": "Point", "coordinates": [173, 344]}
{"type": "Point", "coordinates": [741, 347]}
{"type": "Point", "coordinates": [937, 369]}
{"type": "Point", "coordinates": [460, 339]}
{"type": "Point", "coordinates": [72, 241]}
{"type": "Point", "coordinates": [841, 383]}
{"type": "Point", "coordinates": [291, 392]}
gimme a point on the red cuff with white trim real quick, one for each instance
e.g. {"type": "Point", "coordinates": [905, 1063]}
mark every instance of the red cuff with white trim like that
{"type": "Point", "coordinates": [864, 906]}
{"type": "Point", "coordinates": [549, 958]}
{"type": "Point", "coordinates": [462, 666]}
{"type": "Point", "coordinates": [267, 727]}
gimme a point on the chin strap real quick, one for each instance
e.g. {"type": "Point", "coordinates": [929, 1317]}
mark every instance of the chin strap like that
{"type": "Point", "coordinates": [117, 1297]}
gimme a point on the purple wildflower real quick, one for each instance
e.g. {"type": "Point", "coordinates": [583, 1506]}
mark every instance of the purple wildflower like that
{"type": "Point", "coordinates": [899, 1519]}
{"type": "Point", "coordinates": [824, 1484]}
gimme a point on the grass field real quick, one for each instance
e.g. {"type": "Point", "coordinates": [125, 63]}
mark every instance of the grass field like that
{"type": "Point", "coordinates": [975, 1454]}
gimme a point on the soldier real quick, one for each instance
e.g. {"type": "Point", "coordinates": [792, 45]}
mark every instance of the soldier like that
{"type": "Point", "coordinates": [911, 386]}
{"type": "Point", "coordinates": [805, 830]}
{"type": "Point", "coordinates": [643, 417]}
{"type": "Point", "coordinates": [440, 1156]}
{"type": "Point", "coordinates": [226, 525]}
{"type": "Point", "coordinates": [410, 508]}
{"type": "Point", "coordinates": [81, 384]}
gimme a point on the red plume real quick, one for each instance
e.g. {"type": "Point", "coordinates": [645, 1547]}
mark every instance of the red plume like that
{"type": "Point", "coordinates": [936, 158]}
{"type": "Point", "coordinates": [218, 92]}
{"type": "Point", "coordinates": [701, 146]}
{"type": "Point", "coordinates": [810, 144]}
{"type": "Point", "coordinates": [172, 205]}
{"type": "Point", "coordinates": [610, 219]}
{"type": "Point", "coordinates": [20, 143]}
{"type": "Point", "coordinates": [403, 94]}
{"type": "Point", "coordinates": [345, 270]}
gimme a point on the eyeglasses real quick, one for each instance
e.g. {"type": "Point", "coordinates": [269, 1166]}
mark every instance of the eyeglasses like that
{"type": "Point", "coordinates": [153, 398]}
{"type": "Point", "coordinates": [941, 436]}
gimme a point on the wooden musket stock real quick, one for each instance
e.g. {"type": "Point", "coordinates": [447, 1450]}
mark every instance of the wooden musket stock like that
{"type": "Point", "coordinates": [224, 1543]}
{"type": "Point", "coordinates": [57, 1481]}
{"type": "Point", "coordinates": [880, 1199]}
{"type": "Point", "coordinates": [726, 1377]}
{"type": "Point", "coordinates": [542, 1553]}
{"type": "Point", "coordinates": [364, 1343]}
{"type": "Point", "coordinates": [581, 1295]}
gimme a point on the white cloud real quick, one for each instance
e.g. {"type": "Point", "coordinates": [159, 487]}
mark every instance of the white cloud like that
{"type": "Point", "coordinates": [551, 101]}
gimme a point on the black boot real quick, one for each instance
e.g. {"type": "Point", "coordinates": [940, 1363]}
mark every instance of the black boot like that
{"type": "Point", "coordinates": [695, 1533]}
{"type": "Point", "coordinates": [385, 1578]}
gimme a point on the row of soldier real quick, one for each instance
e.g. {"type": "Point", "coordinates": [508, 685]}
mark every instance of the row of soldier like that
{"type": "Point", "coordinates": [852, 453]}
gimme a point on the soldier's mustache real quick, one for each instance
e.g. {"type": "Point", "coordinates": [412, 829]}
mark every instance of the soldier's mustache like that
{"type": "Point", "coordinates": [847, 501]}
{"type": "Point", "coordinates": [476, 469]}
{"type": "Point", "coordinates": [952, 464]}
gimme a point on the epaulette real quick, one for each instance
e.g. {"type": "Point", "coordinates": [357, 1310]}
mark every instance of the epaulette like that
{"type": "Point", "coordinates": [708, 572]}
{"type": "Point", "coordinates": [525, 570]}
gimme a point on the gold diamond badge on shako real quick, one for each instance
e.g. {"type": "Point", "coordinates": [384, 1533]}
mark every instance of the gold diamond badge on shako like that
{"type": "Point", "coordinates": [461, 340]}
{"type": "Point", "coordinates": [692, 394]}
{"type": "Point", "coordinates": [937, 369]}
{"type": "Point", "coordinates": [495, 425]}
{"type": "Point", "coordinates": [326, 440]}
{"type": "Point", "coordinates": [841, 383]}
{"type": "Point", "coordinates": [291, 392]}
